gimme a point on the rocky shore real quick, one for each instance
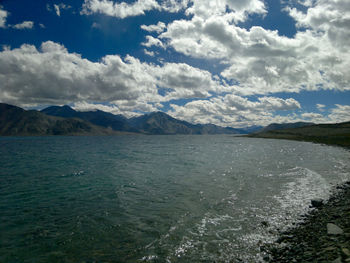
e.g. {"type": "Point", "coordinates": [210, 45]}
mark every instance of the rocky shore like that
{"type": "Point", "coordinates": [323, 236]}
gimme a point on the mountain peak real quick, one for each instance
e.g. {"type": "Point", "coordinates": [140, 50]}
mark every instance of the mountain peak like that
{"type": "Point", "coordinates": [60, 111]}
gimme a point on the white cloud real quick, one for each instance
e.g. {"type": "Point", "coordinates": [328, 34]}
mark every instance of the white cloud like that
{"type": "Point", "coordinates": [52, 75]}
{"type": "Point", "coordinates": [154, 28]}
{"type": "Point", "coordinates": [151, 41]}
{"type": "Point", "coordinates": [120, 10]}
{"type": "Point", "coordinates": [313, 117]}
{"type": "Point", "coordinates": [3, 17]}
{"type": "Point", "coordinates": [235, 111]}
{"type": "Point", "coordinates": [320, 107]}
{"type": "Point", "coordinates": [330, 16]}
{"type": "Point", "coordinates": [340, 113]}
{"type": "Point", "coordinates": [262, 61]}
{"type": "Point", "coordinates": [148, 53]}
{"type": "Point", "coordinates": [123, 9]}
{"type": "Point", "coordinates": [57, 8]}
{"type": "Point", "coordinates": [230, 10]}
{"type": "Point", "coordinates": [86, 106]}
{"type": "Point", "coordinates": [24, 25]}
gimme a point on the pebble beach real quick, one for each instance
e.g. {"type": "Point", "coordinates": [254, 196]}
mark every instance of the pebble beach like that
{"type": "Point", "coordinates": [323, 235]}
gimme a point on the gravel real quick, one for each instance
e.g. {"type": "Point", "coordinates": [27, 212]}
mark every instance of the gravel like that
{"type": "Point", "coordinates": [324, 235]}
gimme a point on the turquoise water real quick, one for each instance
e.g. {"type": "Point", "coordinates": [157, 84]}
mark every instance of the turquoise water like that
{"type": "Point", "coordinates": [155, 198]}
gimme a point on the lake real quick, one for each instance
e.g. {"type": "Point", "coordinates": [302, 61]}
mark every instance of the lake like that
{"type": "Point", "coordinates": [156, 198]}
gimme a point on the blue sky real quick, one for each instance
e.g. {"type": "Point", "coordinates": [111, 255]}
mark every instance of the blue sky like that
{"type": "Point", "coordinates": [230, 62]}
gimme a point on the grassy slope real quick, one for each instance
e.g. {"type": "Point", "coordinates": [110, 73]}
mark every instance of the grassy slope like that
{"type": "Point", "coordinates": [334, 134]}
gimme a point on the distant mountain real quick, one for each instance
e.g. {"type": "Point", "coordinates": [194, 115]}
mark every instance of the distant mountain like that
{"type": "Point", "coordinates": [335, 134]}
{"type": "Point", "coordinates": [17, 121]}
{"type": "Point", "coordinates": [153, 123]}
{"type": "Point", "coordinates": [281, 126]}
{"type": "Point", "coordinates": [162, 123]}
{"type": "Point", "coordinates": [100, 118]}
{"type": "Point", "coordinates": [251, 129]}
{"type": "Point", "coordinates": [214, 129]}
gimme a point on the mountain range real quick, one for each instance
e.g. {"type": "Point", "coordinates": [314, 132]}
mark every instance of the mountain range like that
{"type": "Point", "coordinates": [17, 121]}
{"type": "Point", "coordinates": [63, 120]}
{"type": "Point", "coordinates": [152, 123]}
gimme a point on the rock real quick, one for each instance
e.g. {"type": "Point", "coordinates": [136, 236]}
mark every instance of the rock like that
{"type": "Point", "coordinates": [330, 248]}
{"type": "Point", "coordinates": [338, 260]}
{"type": "Point", "coordinates": [316, 203]}
{"type": "Point", "coordinates": [333, 229]}
{"type": "Point", "coordinates": [265, 224]}
{"type": "Point", "coordinates": [346, 251]}
{"type": "Point", "coordinates": [267, 258]}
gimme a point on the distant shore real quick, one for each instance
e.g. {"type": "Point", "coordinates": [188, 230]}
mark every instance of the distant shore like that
{"type": "Point", "coordinates": [330, 134]}
{"type": "Point", "coordinates": [324, 235]}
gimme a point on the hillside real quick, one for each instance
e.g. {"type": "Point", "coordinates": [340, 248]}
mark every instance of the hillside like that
{"type": "Point", "coordinates": [162, 123]}
{"type": "Point", "coordinates": [100, 118]}
{"type": "Point", "coordinates": [282, 126]}
{"type": "Point", "coordinates": [19, 122]}
{"type": "Point", "coordinates": [152, 123]}
{"type": "Point", "coordinates": [334, 134]}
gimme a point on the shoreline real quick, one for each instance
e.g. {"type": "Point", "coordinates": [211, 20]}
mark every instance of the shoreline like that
{"type": "Point", "coordinates": [323, 235]}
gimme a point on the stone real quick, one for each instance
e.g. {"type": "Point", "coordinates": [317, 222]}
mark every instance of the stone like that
{"type": "Point", "coordinates": [330, 248]}
{"type": "Point", "coordinates": [265, 224]}
{"type": "Point", "coordinates": [338, 260]}
{"type": "Point", "coordinates": [346, 251]}
{"type": "Point", "coordinates": [317, 203]}
{"type": "Point", "coordinates": [333, 229]}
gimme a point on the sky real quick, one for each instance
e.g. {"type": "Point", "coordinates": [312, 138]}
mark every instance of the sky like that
{"type": "Point", "coordinates": [234, 63]}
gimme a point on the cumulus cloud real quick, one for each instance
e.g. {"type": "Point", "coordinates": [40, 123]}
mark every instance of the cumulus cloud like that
{"type": "Point", "coordinates": [320, 107]}
{"type": "Point", "coordinates": [340, 113]}
{"type": "Point", "coordinates": [154, 28]}
{"type": "Point", "coordinates": [313, 117]}
{"type": "Point", "coordinates": [236, 111]}
{"type": "Point", "coordinates": [260, 60]}
{"type": "Point", "coordinates": [24, 25]}
{"type": "Point", "coordinates": [86, 106]}
{"type": "Point", "coordinates": [3, 17]}
{"type": "Point", "coordinates": [148, 53]}
{"type": "Point", "coordinates": [120, 10]}
{"type": "Point", "coordinates": [123, 9]}
{"type": "Point", "coordinates": [231, 10]}
{"type": "Point", "coordinates": [332, 17]}
{"type": "Point", "coordinates": [152, 41]}
{"type": "Point", "coordinates": [52, 75]}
